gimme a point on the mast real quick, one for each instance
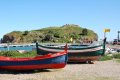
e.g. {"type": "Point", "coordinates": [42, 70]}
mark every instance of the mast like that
{"type": "Point", "coordinates": [37, 47]}
{"type": "Point", "coordinates": [104, 45]}
{"type": "Point", "coordinates": [118, 36]}
{"type": "Point", "coordinates": [104, 40]}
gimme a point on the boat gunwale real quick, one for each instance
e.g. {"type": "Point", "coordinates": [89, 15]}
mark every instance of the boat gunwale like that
{"type": "Point", "coordinates": [62, 47]}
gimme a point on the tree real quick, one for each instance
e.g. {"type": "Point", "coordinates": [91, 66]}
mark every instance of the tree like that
{"type": "Point", "coordinates": [25, 32]}
{"type": "Point", "coordinates": [84, 31]}
{"type": "Point", "coordinates": [48, 37]}
{"type": "Point", "coordinates": [57, 35]}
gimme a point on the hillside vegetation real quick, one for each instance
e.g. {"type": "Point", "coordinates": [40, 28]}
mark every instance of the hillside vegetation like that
{"type": "Point", "coordinates": [60, 34]}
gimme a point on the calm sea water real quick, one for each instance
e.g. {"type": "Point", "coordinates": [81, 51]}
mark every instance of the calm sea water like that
{"type": "Point", "coordinates": [27, 48]}
{"type": "Point", "coordinates": [32, 47]}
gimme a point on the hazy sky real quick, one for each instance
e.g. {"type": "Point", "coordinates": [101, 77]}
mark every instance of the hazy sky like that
{"type": "Point", "coordinates": [21, 15]}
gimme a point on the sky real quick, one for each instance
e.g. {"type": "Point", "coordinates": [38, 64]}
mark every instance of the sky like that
{"type": "Point", "coordinates": [21, 15]}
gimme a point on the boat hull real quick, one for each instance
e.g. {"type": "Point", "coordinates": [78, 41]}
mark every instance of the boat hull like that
{"type": "Point", "coordinates": [83, 59]}
{"type": "Point", "coordinates": [50, 61]}
{"type": "Point", "coordinates": [33, 67]}
{"type": "Point", "coordinates": [76, 54]}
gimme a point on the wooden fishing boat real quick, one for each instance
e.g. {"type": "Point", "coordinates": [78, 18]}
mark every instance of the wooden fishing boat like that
{"type": "Point", "coordinates": [86, 53]}
{"type": "Point", "coordinates": [48, 61]}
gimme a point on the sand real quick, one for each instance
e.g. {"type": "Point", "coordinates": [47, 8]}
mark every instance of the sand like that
{"type": "Point", "coordinates": [100, 70]}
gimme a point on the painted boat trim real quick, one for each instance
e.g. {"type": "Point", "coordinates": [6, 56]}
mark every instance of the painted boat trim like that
{"type": "Point", "coordinates": [32, 67]}
{"type": "Point", "coordinates": [72, 51]}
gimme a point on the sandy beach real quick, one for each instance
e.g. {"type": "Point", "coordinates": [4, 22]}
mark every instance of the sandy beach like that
{"type": "Point", "coordinates": [101, 70]}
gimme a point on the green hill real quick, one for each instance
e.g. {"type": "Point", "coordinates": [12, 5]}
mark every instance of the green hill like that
{"type": "Point", "coordinates": [60, 34]}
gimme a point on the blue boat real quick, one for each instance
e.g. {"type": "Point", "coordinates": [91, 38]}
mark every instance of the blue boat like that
{"type": "Point", "coordinates": [48, 61]}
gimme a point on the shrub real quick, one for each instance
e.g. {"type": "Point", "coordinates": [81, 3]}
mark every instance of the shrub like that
{"type": "Point", "coordinates": [117, 56]}
{"type": "Point", "coordinates": [16, 54]}
{"type": "Point", "coordinates": [105, 57]}
{"type": "Point", "coordinates": [118, 60]}
{"type": "Point", "coordinates": [9, 53]}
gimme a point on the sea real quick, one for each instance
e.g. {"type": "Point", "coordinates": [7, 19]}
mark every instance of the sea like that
{"type": "Point", "coordinates": [15, 47]}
